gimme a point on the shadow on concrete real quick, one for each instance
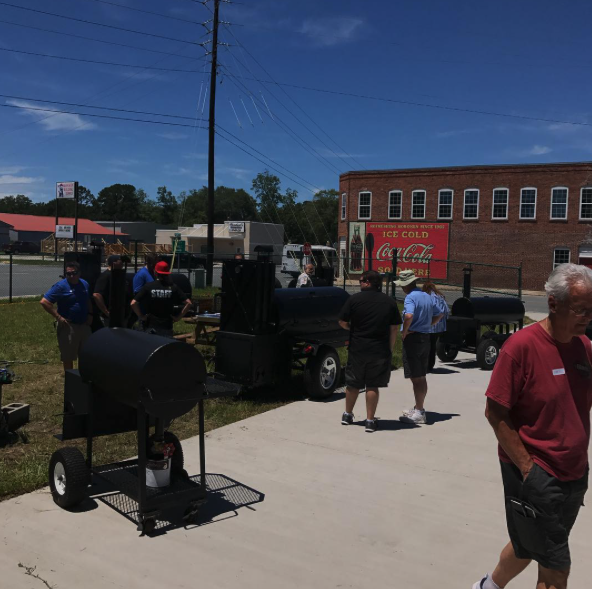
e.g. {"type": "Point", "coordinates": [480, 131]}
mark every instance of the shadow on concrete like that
{"type": "Point", "coordinates": [464, 364]}
{"type": "Point", "coordinates": [225, 497]}
{"type": "Point", "coordinates": [432, 417]}
{"type": "Point", "coordinates": [442, 370]}
{"type": "Point", "coordinates": [393, 425]}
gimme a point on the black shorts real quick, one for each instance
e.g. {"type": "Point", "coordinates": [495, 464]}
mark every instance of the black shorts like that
{"type": "Point", "coordinates": [540, 513]}
{"type": "Point", "coordinates": [416, 355]}
{"type": "Point", "coordinates": [363, 373]}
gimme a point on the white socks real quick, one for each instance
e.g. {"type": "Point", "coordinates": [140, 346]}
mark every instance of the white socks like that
{"type": "Point", "coordinates": [489, 584]}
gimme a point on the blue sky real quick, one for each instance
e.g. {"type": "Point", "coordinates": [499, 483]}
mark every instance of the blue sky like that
{"type": "Point", "coordinates": [519, 58]}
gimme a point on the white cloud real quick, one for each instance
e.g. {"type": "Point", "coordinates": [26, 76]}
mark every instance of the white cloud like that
{"type": "Point", "coordinates": [539, 150]}
{"type": "Point", "coordinates": [12, 170]}
{"type": "Point", "coordinates": [331, 30]}
{"type": "Point", "coordinates": [9, 179]}
{"type": "Point", "coordinates": [173, 136]}
{"type": "Point", "coordinates": [53, 122]}
{"type": "Point", "coordinates": [195, 156]}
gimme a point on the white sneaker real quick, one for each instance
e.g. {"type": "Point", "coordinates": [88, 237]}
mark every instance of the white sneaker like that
{"type": "Point", "coordinates": [408, 411]}
{"type": "Point", "coordinates": [481, 584]}
{"type": "Point", "coordinates": [415, 416]}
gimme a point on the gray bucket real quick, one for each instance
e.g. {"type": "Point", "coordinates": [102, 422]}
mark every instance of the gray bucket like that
{"type": "Point", "coordinates": [158, 473]}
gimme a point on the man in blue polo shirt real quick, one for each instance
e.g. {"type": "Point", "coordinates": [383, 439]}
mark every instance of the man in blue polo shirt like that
{"type": "Point", "coordinates": [145, 275]}
{"type": "Point", "coordinates": [420, 312]}
{"type": "Point", "coordinates": [73, 314]}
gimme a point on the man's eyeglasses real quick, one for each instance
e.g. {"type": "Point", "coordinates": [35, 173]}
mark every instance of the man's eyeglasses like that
{"type": "Point", "coordinates": [74, 273]}
{"type": "Point", "coordinates": [581, 312]}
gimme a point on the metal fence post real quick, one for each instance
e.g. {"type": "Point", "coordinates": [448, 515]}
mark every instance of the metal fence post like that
{"type": "Point", "coordinates": [467, 270]}
{"type": "Point", "coordinates": [136, 256]}
{"type": "Point", "coordinates": [395, 262]}
{"type": "Point", "coordinates": [10, 279]}
{"type": "Point", "coordinates": [520, 280]}
{"type": "Point", "coordinates": [345, 264]}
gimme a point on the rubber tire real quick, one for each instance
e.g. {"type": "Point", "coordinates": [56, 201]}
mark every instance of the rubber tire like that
{"type": "Point", "coordinates": [77, 477]}
{"type": "Point", "coordinates": [312, 373]}
{"type": "Point", "coordinates": [177, 460]}
{"type": "Point", "coordinates": [445, 352]}
{"type": "Point", "coordinates": [481, 351]}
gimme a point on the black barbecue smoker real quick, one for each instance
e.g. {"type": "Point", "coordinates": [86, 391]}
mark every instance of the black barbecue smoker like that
{"type": "Point", "coordinates": [480, 325]}
{"type": "Point", "coordinates": [132, 381]}
{"type": "Point", "coordinates": [265, 332]}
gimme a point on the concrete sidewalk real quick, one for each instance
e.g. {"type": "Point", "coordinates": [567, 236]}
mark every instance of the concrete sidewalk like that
{"type": "Point", "coordinates": [405, 507]}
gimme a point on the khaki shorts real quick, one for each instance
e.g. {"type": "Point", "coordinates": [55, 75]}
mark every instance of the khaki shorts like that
{"type": "Point", "coordinates": [71, 338]}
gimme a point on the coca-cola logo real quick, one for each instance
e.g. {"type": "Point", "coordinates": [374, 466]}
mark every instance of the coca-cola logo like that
{"type": "Point", "coordinates": [415, 252]}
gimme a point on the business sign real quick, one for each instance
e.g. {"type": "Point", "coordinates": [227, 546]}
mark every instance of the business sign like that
{"type": "Point", "coordinates": [420, 247]}
{"type": "Point", "coordinates": [236, 227]}
{"type": "Point", "coordinates": [180, 246]}
{"type": "Point", "coordinates": [65, 190]}
{"type": "Point", "coordinates": [64, 231]}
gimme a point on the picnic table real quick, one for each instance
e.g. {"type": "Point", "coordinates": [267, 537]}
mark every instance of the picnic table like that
{"type": "Point", "coordinates": [206, 327]}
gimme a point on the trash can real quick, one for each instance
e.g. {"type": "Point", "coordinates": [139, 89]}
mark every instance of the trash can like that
{"type": "Point", "coordinates": [199, 278]}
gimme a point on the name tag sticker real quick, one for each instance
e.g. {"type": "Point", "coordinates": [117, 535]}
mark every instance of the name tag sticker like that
{"type": "Point", "coordinates": [558, 371]}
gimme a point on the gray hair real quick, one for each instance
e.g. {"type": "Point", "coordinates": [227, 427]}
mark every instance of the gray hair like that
{"type": "Point", "coordinates": [564, 277]}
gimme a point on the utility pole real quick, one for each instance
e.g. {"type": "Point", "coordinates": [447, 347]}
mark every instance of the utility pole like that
{"type": "Point", "coordinates": [212, 135]}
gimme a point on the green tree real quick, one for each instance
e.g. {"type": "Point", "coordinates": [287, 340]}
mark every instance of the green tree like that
{"type": "Point", "coordinates": [230, 204]}
{"type": "Point", "coordinates": [19, 204]}
{"type": "Point", "coordinates": [168, 206]}
{"type": "Point", "coordinates": [121, 202]}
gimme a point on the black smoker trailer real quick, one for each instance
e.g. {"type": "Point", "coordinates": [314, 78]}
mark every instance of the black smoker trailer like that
{"type": "Point", "coordinates": [266, 332]}
{"type": "Point", "coordinates": [127, 381]}
{"type": "Point", "coordinates": [465, 328]}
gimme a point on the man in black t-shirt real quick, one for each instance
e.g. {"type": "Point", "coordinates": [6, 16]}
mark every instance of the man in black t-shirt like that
{"type": "Point", "coordinates": [159, 299]}
{"type": "Point", "coordinates": [102, 291]}
{"type": "Point", "coordinates": [372, 319]}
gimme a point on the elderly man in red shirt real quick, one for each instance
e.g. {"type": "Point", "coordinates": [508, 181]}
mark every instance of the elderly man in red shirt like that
{"type": "Point", "coordinates": [538, 404]}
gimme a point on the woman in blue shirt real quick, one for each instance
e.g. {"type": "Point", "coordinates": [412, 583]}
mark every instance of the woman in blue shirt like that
{"type": "Point", "coordinates": [440, 327]}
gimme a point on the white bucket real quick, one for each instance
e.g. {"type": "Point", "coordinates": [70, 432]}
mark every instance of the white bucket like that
{"type": "Point", "coordinates": [158, 473]}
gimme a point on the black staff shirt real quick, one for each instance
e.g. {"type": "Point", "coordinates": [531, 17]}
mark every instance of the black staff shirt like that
{"type": "Point", "coordinates": [159, 301]}
{"type": "Point", "coordinates": [370, 314]}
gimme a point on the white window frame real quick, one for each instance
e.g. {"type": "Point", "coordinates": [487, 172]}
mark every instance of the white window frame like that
{"type": "Point", "coordinates": [344, 206]}
{"type": "Point", "coordinates": [425, 198]}
{"type": "Point", "coordinates": [535, 203]}
{"type": "Point", "coordinates": [561, 248]}
{"type": "Point", "coordinates": [465, 202]}
{"type": "Point", "coordinates": [581, 203]}
{"type": "Point", "coordinates": [551, 217]}
{"type": "Point", "coordinates": [400, 193]}
{"type": "Point", "coordinates": [451, 202]}
{"type": "Point", "coordinates": [493, 203]}
{"type": "Point", "coordinates": [360, 218]}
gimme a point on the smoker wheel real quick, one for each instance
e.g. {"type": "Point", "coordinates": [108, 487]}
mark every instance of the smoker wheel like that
{"type": "Point", "coordinates": [322, 372]}
{"type": "Point", "coordinates": [487, 353]}
{"type": "Point", "coordinates": [446, 352]}
{"type": "Point", "coordinates": [191, 514]}
{"type": "Point", "coordinates": [177, 460]}
{"type": "Point", "coordinates": [69, 477]}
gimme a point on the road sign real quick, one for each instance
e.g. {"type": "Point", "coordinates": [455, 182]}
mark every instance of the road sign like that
{"type": "Point", "coordinates": [65, 190]}
{"type": "Point", "coordinates": [306, 249]}
{"type": "Point", "coordinates": [64, 231]}
{"type": "Point", "coordinates": [181, 246]}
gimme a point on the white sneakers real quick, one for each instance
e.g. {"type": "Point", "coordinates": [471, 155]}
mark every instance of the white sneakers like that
{"type": "Point", "coordinates": [413, 416]}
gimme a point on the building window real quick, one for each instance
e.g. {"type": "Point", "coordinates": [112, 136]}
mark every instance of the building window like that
{"type": "Point", "coordinates": [528, 203]}
{"type": "Point", "coordinates": [560, 256]}
{"type": "Point", "coordinates": [343, 206]}
{"type": "Point", "coordinates": [445, 204]}
{"type": "Point", "coordinates": [586, 203]}
{"type": "Point", "coordinates": [418, 202]}
{"type": "Point", "coordinates": [500, 204]}
{"type": "Point", "coordinates": [471, 209]}
{"type": "Point", "coordinates": [365, 205]}
{"type": "Point", "coordinates": [559, 203]}
{"type": "Point", "coordinates": [395, 204]}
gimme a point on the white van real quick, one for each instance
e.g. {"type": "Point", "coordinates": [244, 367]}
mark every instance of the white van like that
{"type": "Point", "coordinates": [294, 260]}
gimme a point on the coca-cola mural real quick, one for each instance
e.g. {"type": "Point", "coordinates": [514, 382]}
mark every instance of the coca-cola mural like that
{"type": "Point", "coordinates": [372, 244]}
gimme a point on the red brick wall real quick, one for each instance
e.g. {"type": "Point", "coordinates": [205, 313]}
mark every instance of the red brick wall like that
{"type": "Point", "coordinates": [508, 241]}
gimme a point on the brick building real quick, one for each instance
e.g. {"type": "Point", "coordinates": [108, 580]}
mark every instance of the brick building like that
{"type": "Point", "coordinates": [539, 215]}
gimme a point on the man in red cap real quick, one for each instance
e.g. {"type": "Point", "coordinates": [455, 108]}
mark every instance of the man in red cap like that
{"type": "Point", "coordinates": [159, 299]}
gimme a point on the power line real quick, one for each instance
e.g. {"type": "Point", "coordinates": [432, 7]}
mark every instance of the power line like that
{"type": "Point", "coordinates": [73, 35]}
{"type": "Point", "coordinates": [137, 112]}
{"type": "Point", "coordinates": [98, 24]}
{"type": "Point", "coordinates": [159, 14]}
{"type": "Point", "coordinates": [83, 114]}
{"type": "Point", "coordinates": [130, 65]}
{"type": "Point", "coordinates": [422, 104]}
